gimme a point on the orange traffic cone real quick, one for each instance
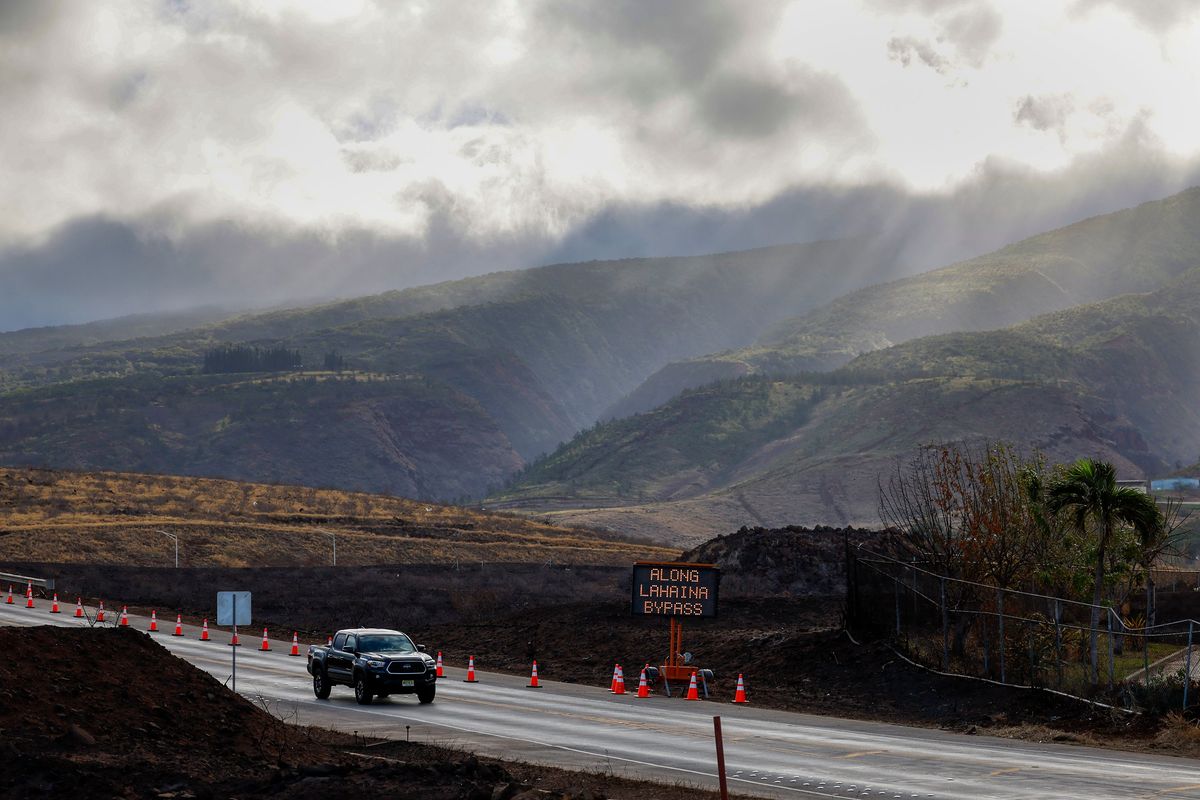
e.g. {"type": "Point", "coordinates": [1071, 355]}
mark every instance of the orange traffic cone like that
{"type": "Point", "coordinates": [612, 686]}
{"type": "Point", "coordinates": [533, 681]}
{"type": "Point", "coordinates": [29, 596]}
{"type": "Point", "coordinates": [78, 607]}
{"type": "Point", "coordinates": [643, 686]}
{"type": "Point", "coordinates": [153, 620]}
{"type": "Point", "coordinates": [266, 645]}
{"type": "Point", "coordinates": [233, 642]}
{"type": "Point", "coordinates": [295, 644]}
{"type": "Point", "coordinates": [739, 696]}
{"type": "Point", "coordinates": [620, 681]}
{"type": "Point", "coordinates": [470, 671]}
{"type": "Point", "coordinates": [204, 631]}
{"type": "Point", "coordinates": [124, 616]}
{"type": "Point", "coordinates": [329, 642]}
{"type": "Point", "coordinates": [693, 693]}
{"type": "Point", "coordinates": [178, 625]}
{"type": "Point", "coordinates": [9, 601]}
{"type": "Point", "coordinates": [440, 672]}
{"type": "Point", "coordinates": [54, 605]}
{"type": "Point", "coordinates": [100, 612]}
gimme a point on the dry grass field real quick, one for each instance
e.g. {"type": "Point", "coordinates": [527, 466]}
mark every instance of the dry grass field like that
{"type": "Point", "coordinates": [115, 518]}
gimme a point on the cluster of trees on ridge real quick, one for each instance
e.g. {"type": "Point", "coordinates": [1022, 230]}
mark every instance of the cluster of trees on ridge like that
{"type": "Point", "coordinates": [994, 517]}
{"type": "Point", "coordinates": [242, 358]}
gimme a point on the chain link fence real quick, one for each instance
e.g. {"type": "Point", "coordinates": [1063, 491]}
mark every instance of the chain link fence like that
{"type": "Point", "coordinates": [1027, 639]}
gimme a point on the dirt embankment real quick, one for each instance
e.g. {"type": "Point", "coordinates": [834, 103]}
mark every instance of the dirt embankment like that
{"type": "Point", "coordinates": [107, 713]}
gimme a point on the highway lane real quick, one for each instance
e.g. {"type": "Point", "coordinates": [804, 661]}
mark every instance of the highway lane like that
{"type": "Point", "coordinates": [768, 753]}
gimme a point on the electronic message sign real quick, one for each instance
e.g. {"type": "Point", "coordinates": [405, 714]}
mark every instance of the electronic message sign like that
{"type": "Point", "coordinates": [675, 590]}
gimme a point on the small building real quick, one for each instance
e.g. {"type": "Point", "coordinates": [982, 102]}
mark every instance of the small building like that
{"type": "Point", "coordinates": [1175, 484]}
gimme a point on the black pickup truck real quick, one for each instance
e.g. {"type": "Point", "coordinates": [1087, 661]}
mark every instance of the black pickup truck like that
{"type": "Point", "coordinates": [376, 662]}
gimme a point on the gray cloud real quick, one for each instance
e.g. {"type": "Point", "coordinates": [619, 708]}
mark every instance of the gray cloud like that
{"type": "Point", "coordinates": [1045, 113]}
{"type": "Point", "coordinates": [907, 49]}
{"type": "Point", "coordinates": [1157, 15]}
{"type": "Point", "coordinates": [94, 268]}
{"type": "Point", "coordinates": [973, 31]}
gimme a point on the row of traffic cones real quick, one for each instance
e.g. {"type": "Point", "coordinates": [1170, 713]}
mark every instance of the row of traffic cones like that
{"type": "Point", "coordinates": [153, 627]}
{"type": "Point", "coordinates": [643, 690]}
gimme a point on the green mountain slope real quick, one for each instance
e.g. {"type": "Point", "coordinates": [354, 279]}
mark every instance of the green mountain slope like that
{"type": "Point", "coordinates": [404, 436]}
{"type": "Point", "coordinates": [1135, 250]}
{"type": "Point", "coordinates": [1119, 379]}
{"type": "Point", "coordinates": [531, 357]}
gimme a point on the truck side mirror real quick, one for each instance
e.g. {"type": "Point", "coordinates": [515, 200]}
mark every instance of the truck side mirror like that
{"type": "Point", "coordinates": [421, 648]}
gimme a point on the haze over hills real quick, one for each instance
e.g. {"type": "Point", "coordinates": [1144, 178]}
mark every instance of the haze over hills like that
{"type": "Point", "coordinates": [447, 389]}
{"type": "Point", "coordinates": [1135, 250]}
{"type": "Point", "coordinates": [1116, 379]}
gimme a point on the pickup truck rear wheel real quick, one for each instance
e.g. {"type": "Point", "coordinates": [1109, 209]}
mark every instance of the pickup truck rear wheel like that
{"type": "Point", "coordinates": [426, 695]}
{"type": "Point", "coordinates": [362, 692]}
{"type": "Point", "coordinates": [321, 685]}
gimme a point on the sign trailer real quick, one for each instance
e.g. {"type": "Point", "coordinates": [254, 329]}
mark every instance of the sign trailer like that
{"type": "Point", "coordinates": [675, 590]}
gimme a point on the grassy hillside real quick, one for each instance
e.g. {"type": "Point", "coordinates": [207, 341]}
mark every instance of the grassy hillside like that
{"type": "Point", "coordinates": [114, 518]}
{"type": "Point", "coordinates": [407, 436]}
{"type": "Point", "coordinates": [448, 389]}
{"type": "Point", "coordinates": [1117, 379]}
{"type": "Point", "coordinates": [1136, 250]}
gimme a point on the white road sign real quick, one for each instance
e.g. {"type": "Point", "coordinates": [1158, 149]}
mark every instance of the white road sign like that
{"type": "Point", "coordinates": [227, 602]}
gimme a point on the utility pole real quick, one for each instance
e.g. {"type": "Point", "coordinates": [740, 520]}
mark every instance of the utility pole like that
{"type": "Point", "coordinates": [176, 540]}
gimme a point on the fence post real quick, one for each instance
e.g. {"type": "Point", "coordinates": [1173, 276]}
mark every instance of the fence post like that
{"type": "Point", "coordinates": [983, 632]}
{"type": "Point", "coordinates": [1058, 656]}
{"type": "Point", "coordinates": [945, 628]}
{"type": "Point", "coordinates": [1111, 665]}
{"type": "Point", "coordinates": [1187, 678]}
{"type": "Point", "coordinates": [1000, 622]}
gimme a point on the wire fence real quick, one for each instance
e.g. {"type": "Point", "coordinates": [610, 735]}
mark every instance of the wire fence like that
{"type": "Point", "coordinates": [1028, 639]}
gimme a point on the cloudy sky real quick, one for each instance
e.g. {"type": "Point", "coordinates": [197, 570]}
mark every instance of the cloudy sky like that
{"type": "Point", "coordinates": [161, 155]}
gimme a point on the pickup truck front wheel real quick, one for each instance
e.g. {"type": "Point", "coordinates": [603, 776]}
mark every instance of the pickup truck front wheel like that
{"type": "Point", "coordinates": [426, 695]}
{"type": "Point", "coordinates": [362, 692]}
{"type": "Point", "coordinates": [321, 685]}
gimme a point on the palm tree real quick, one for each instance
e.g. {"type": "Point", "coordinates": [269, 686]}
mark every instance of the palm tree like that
{"type": "Point", "coordinates": [1088, 493]}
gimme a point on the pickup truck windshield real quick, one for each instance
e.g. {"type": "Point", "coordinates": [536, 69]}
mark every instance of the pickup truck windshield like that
{"type": "Point", "coordinates": [384, 643]}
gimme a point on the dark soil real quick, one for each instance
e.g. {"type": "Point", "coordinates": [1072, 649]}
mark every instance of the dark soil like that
{"type": "Point", "coordinates": [103, 713]}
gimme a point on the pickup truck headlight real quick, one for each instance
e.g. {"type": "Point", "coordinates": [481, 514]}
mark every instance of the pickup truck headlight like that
{"type": "Point", "coordinates": [375, 664]}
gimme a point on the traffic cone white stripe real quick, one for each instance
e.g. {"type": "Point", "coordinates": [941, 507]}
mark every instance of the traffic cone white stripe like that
{"type": "Point", "coordinates": [643, 686]}
{"type": "Point", "coordinates": [739, 695]}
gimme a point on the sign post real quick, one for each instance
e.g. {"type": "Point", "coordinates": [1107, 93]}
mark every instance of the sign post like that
{"type": "Point", "coordinates": [675, 590]}
{"type": "Point", "coordinates": [233, 608]}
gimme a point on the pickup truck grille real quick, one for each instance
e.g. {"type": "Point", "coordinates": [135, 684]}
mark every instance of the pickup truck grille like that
{"type": "Point", "coordinates": [406, 667]}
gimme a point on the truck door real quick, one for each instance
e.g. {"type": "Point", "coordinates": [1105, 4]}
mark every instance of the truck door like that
{"type": "Point", "coordinates": [339, 661]}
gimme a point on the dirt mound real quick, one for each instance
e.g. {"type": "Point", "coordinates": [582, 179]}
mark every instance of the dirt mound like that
{"type": "Point", "coordinates": [104, 713]}
{"type": "Point", "coordinates": [793, 561]}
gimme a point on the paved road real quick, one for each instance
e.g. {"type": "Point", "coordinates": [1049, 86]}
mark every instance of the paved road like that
{"type": "Point", "coordinates": [768, 753]}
